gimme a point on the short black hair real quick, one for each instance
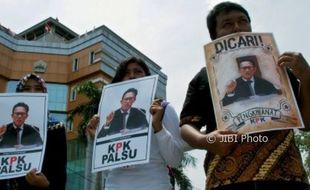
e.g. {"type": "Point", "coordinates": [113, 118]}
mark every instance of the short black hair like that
{"type": "Point", "coordinates": [122, 67]}
{"type": "Point", "coordinates": [251, 58]}
{"type": "Point", "coordinates": [226, 6]}
{"type": "Point", "coordinates": [133, 90]}
{"type": "Point", "coordinates": [20, 104]}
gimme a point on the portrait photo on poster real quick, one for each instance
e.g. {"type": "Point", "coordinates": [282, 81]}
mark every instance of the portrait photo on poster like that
{"type": "Point", "coordinates": [22, 132]}
{"type": "Point", "coordinates": [123, 135]}
{"type": "Point", "coordinates": [248, 89]}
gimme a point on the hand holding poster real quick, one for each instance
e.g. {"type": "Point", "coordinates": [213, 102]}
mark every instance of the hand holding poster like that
{"type": "Point", "coordinates": [250, 93]}
{"type": "Point", "coordinates": [22, 133]}
{"type": "Point", "coordinates": [123, 135]}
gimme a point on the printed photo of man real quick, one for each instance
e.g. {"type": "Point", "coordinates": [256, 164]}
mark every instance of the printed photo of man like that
{"type": "Point", "coordinates": [248, 84]}
{"type": "Point", "coordinates": [18, 134]}
{"type": "Point", "coordinates": [126, 117]}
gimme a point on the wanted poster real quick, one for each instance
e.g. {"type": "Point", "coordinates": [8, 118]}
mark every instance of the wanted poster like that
{"type": "Point", "coordinates": [124, 134]}
{"type": "Point", "coordinates": [23, 128]}
{"type": "Point", "coordinates": [250, 93]}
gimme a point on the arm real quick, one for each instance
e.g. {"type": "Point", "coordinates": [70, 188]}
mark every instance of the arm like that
{"type": "Point", "coordinates": [230, 93]}
{"type": "Point", "coordinates": [198, 111]}
{"type": "Point", "coordinates": [211, 141]}
{"type": "Point", "coordinates": [54, 167]}
{"type": "Point", "coordinates": [296, 63]}
{"type": "Point", "coordinates": [2, 131]}
{"type": "Point", "coordinates": [167, 134]}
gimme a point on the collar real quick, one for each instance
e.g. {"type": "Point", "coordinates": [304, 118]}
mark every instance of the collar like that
{"type": "Point", "coordinates": [252, 79]}
{"type": "Point", "coordinates": [21, 127]}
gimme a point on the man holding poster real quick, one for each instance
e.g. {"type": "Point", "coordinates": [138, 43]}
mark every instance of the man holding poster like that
{"type": "Point", "coordinates": [272, 162]}
{"type": "Point", "coordinates": [125, 118]}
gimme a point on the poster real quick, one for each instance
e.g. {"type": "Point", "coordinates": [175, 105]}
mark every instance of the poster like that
{"type": "Point", "coordinates": [23, 128]}
{"type": "Point", "coordinates": [124, 134]}
{"type": "Point", "coordinates": [250, 93]}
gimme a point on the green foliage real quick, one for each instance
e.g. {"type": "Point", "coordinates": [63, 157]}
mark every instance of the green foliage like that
{"type": "Point", "coordinates": [303, 142]}
{"type": "Point", "coordinates": [178, 176]}
{"type": "Point", "coordinates": [88, 109]}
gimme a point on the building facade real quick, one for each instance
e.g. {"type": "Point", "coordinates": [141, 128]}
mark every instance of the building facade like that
{"type": "Point", "coordinates": [65, 59]}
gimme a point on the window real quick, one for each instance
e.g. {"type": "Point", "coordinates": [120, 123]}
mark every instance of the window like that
{"type": "Point", "coordinates": [91, 57]}
{"type": "Point", "coordinates": [75, 65]}
{"type": "Point", "coordinates": [69, 126]}
{"type": "Point", "coordinates": [57, 97]}
{"type": "Point", "coordinates": [73, 94]}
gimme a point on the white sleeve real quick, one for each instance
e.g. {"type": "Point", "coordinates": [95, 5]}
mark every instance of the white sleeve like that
{"type": "Point", "coordinates": [169, 138]}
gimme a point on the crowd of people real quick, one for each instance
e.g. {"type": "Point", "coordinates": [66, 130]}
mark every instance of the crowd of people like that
{"type": "Point", "coordinates": [267, 165]}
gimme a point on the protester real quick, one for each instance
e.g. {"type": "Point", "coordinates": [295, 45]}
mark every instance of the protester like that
{"type": "Point", "coordinates": [275, 164]}
{"type": "Point", "coordinates": [166, 143]}
{"type": "Point", "coordinates": [53, 175]}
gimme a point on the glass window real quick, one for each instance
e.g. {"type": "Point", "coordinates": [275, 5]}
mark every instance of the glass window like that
{"type": "Point", "coordinates": [69, 126]}
{"type": "Point", "coordinates": [60, 117]}
{"type": "Point", "coordinates": [57, 95]}
{"type": "Point", "coordinates": [75, 64]}
{"type": "Point", "coordinates": [11, 86]}
{"type": "Point", "coordinates": [91, 57]}
{"type": "Point", "coordinates": [73, 93]}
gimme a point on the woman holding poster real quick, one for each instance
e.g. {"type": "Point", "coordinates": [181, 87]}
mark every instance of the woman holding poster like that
{"type": "Point", "coordinates": [53, 175]}
{"type": "Point", "coordinates": [166, 144]}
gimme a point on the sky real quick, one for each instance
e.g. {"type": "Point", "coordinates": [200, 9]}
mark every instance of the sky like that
{"type": "Point", "coordinates": [171, 33]}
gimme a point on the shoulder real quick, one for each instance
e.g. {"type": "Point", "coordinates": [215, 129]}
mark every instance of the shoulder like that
{"type": "Point", "coordinates": [261, 80]}
{"type": "Point", "coordinates": [200, 78]}
{"type": "Point", "coordinates": [10, 125]}
{"type": "Point", "coordinates": [31, 128]}
{"type": "Point", "coordinates": [56, 126]}
{"type": "Point", "coordinates": [138, 110]}
{"type": "Point", "coordinates": [118, 111]}
{"type": "Point", "coordinates": [239, 79]}
{"type": "Point", "coordinates": [170, 111]}
{"type": "Point", "coordinates": [35, 128]}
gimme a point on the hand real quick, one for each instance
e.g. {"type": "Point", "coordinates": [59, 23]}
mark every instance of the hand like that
{"type": "Point", "coordinates": [92, 125]}
{"type": "Point", "coordinates": [2, 130]}
{"type": "Point", "coordinates": [296, 63]}
{"type": "Point", "coordinates": [157, 112]}
{"type": "Point", "coordinates": [216, 145]}
{"type": "Point", "coordinates": [231, 86]}
{"type": "Point", "coordinates": [109, 118]}
{"type": "Point", "coordinates": [38, 180]}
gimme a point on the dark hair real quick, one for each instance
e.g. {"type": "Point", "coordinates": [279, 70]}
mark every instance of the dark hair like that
{"type": "Point", "coordinates": [21, 104]}
{"type": "Point", "coordinates": [23, 81]}
{"type": "Point", "coordinates": [133, 90]}
{"type": "Point", "coordinates": [219, 8]}
{"type": "Point", "coordinates": [251, 58]}
{"type": "Point", "coordinates": [122, 67]}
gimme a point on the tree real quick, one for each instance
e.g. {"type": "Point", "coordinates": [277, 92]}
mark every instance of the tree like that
{"type": "Point", "coordinates": [303, 142]}
{"type": "Point", "coordinates": [88, 109]}
{"type": "Point", "coordinates": [177, 175]}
